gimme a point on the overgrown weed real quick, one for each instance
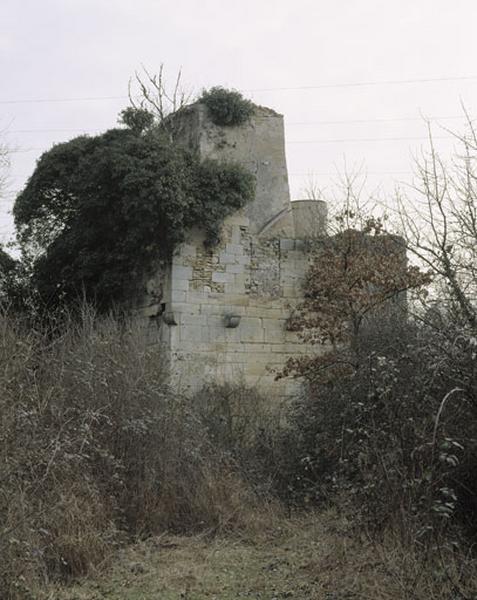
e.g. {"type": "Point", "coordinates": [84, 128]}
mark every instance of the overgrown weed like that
{"type": "Point", "coordinates": [95, 448]}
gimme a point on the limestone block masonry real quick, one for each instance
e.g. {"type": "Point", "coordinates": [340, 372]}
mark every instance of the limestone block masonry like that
{"type": "Point", "coordinates": [221, 313]}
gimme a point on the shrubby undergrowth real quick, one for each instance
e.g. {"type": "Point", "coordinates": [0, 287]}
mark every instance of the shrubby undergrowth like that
{"type": "Point", "coordinates": [396, 436]}
{"type": "Point", "coordinates": [95, 449]}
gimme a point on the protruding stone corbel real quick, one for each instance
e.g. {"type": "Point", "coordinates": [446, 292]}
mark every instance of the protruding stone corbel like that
{"type": "Point", "coordinates": [169, 318]}
{"type": "Point", "coordinates": [232, 321]}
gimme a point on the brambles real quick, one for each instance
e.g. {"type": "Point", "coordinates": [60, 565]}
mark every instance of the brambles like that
{"type": "Point", "coordinates": [95, 448]}
{"type": "Point", "coordinates": [387, 424]}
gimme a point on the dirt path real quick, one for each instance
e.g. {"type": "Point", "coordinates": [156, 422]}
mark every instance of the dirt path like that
{"type": "Point", "coordinates": [314, 558]}
{"type": "Point", "coordinates": [290, 561]}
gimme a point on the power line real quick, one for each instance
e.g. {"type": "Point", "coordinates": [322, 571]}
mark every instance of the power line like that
{"type": "Point", "coordinates": [313, 172]}
{"type": "Point", "coordinates": [310, 173]}
{"type": "Point", "coordinates": [271, 89]}
{"type": "Point", "coordinates": [48, 100]}
{"type": "Point", "coordinates": [49, 131]}
{"type": "Point", "coordinates": [335, 122]}
{"type": "Point", "coordinates": [377, 120]}
{"type": "Point", "coordinates": [24, 150]}
{"type": "Point", "coordinates": [365, 83]}
{"type": "Point", "coordinates": [385, 139]}
{"type": "Point", "coordinates": [327, 141]}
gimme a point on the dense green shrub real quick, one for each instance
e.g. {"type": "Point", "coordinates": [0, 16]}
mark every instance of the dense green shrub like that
{"type": "Point", "coordinates": [227, 108]}
{"type": "Point", "coordinates": [137, 119]}
{"type": "Point", "coordinates": [98, 211]}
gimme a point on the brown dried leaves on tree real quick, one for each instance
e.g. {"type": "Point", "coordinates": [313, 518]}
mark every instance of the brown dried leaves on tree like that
{"type": "Point", "coordinates": [355, 277]}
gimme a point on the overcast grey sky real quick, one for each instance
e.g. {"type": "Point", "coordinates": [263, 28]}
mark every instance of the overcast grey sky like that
{"type": "Point", "coordinates": [87, 49]}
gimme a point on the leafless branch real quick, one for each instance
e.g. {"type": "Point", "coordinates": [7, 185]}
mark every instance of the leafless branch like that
{"type": "Point", "coordinates": [150, 91]}
{"type": "Point", "coordinates": [440, 222]}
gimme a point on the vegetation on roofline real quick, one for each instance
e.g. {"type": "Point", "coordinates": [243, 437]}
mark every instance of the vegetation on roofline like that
{"type": "Point", "coordinates": [96, 450]}
{"type": "Point", "coordinates": [227, 108]}
{"type": "Point", "coordinates": [99, 210]}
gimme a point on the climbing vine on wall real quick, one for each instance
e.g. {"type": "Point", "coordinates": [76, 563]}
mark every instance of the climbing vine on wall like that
{"type": "Point", "coordinates": [98, 210]}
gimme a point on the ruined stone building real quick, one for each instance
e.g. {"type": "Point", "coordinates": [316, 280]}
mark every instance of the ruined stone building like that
{"type": "Point", "coordinates": [221, 313]}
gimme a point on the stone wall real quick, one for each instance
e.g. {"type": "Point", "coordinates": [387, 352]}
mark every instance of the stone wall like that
{"type": "Point", "coordinates": [258, 145]}
{"type": "Point", "coordinates": [228, 309]}
{"type": "Point", "coordinates": [221, 313]}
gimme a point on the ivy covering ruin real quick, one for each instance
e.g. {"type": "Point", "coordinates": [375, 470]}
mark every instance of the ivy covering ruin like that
{"type": "Point", "coordinates": [98, 211]}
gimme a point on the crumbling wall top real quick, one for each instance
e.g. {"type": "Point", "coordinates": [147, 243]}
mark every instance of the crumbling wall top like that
{"type": "Point", "coordinates": [258, 145]}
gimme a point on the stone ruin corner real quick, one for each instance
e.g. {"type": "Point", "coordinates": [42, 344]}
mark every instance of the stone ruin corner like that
{"type": "Point", "coordinates": [221, 314]}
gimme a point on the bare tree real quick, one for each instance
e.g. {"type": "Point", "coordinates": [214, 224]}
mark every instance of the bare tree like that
{"type": "Point", "coordinates": [440, 223]}
{"type": "Point", "coordinates": [312, 190]}
{"type": "Point", "coordinates": [150, 91]}
{"type": "Point", "coordinates": [4, 165]}
{"type": "Point", "coordinates": [349, 205]}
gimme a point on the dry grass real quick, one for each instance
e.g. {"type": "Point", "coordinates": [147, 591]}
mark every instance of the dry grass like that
{"type": "Point", "coordinates": [96, 452]}
{"type": "Point", "coordinates": [95, 449]}
{"type": "Point", "coordinates": [316, 557]}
